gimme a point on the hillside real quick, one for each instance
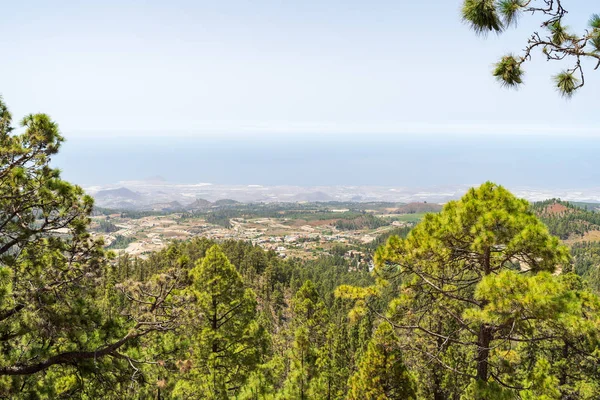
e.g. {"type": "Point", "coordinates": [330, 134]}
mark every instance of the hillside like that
{"type": "Point", "coordinates": [199, 204]}
{"type": "Point", "coordinates": [569, 221]}
{"type": "Point", "coordinates": [120, 193]}
{"type": "Point", "coordinates": [578, 225]}
{"type": "Point", "coordinates": [418, 208]}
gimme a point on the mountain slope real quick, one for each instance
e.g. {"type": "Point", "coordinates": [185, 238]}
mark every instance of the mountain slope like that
{"type": "Point", "coordinates": [567, 220]}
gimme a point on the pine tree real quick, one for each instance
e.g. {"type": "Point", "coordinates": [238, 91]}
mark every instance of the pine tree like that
{"type": "Point", "coordinates": [479, 293]}
{"type": "Point", "coordinates": [55, 320]}
{"type": "Point", "coordinates": [309, 333]}
{"type": "Point", "coordinates": [333, 364]}
{"type": "Point", "coordinates": [226, 340]}
{"type": "Point", "coordinates": [381, 373]}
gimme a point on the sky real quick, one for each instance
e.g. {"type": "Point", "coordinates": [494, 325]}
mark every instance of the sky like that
{"type": "Point", "coordinates": [297, 92]}
{"type": "Point", "coordinates": [266, 67]}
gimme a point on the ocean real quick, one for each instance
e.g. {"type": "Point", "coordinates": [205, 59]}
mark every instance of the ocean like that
{"type": "Point", "coordinates": [403, 160]}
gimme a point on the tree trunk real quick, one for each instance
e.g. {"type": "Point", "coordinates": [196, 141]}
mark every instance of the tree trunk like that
{"type": "Point", "coordinates": [438, 392]}
{"type": "Point", "coordinates": [214, 323]}
{"type": "Point", "coordinates": [484, 338]}
{"type": "Point", "coordinates": [563, 374]}
{"type": "Point", "coordinates": [483, 352]}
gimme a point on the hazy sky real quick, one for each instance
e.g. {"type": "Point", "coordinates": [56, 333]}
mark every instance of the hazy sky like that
{"type": "Point", "coordinates": [280, 67]}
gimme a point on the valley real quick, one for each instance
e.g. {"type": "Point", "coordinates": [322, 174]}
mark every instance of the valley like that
{"type": "Point", "coordinates": [296, 230]}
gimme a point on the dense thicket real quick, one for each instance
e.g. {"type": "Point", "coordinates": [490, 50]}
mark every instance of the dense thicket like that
{"type": "Point", "coordinates": [289, 336]}
{"type": "Point", "coordinates": [586, 263]}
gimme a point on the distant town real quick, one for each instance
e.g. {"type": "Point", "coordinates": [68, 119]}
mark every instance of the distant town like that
{"type": "Point", "coordinates": [296, 230]}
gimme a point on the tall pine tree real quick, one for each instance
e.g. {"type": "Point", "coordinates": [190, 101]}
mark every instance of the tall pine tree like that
{"type": "Point", "coordinates": [381, 373]}
{"type": "Point", "coordinates": [226, 341]}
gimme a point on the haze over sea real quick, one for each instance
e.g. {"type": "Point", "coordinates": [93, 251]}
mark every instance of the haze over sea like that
{"type": "Point", "coordinates": [379, 160]}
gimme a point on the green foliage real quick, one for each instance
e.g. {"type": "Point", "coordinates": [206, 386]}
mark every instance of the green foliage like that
{"type": "Point", "coordinates": [565, 219]}
{"type": "Point", "coordinates": [508, 71]}
{"type": "Point", "coordinates": [65, 322]}
{"type": "Point", "coordinates": [221, 218]}
{"type": "Point", "coordinates": [478, 299]}
{"type": "Point", "coordinates": [381, 373]}
{"type": "Point", "coordinates": [52, 272]}
{"type": "Point", "coordinates": [295, 321]}
{"type": "Point", "coordinates": [566, 83]}
{"type": "Point", "coordinates": [226, 341]}
{"type": "Point", "coordinates": [510, 10]}
{"type": "Point", "coordinates": [559, 33]}
{"type": "Point", "coordinates": [383, 238]}
{"type": "Point", "coordinates": [586, 257]}
{"type": "Point", "coordinates": [135, 214]}
{"type": "Point", "coordinates": [482, 16]}
{"type": "Point", "coordinates": [367, 221]}
{"type": "Point", "coordinates": [105, 226]}
{"type": "Point", "coordinates": [410, 218]}
{"type": "Point", "coordinates": [595, 41]}
{"type": "Point", "coordinates": [309, 332]}
{"type": "Point", "coordinates": [594, 22]}
{"type": "Point", "coordinates": [121, 242]}
{"type": "Point", "coordinates": [555, 42]}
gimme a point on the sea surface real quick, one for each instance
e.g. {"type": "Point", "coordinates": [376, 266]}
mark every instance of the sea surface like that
{"type": "Point", "coordinates": [403, 160]}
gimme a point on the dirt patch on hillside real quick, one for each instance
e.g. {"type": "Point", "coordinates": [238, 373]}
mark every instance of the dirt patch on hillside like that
{"type": "Point", "coordinates": [555, 209]}
{"type": "Point", "coordinates": [591, 236]}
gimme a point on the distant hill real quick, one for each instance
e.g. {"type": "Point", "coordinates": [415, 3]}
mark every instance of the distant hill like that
{"type": "Point", "coordinates": [199, 205]}
{"type": "Point", "coordinates": [312, 197]}
{"type": "Point", "coordinates": [418, 208]}
{"type": "Point", "coordinates": [120, 193]}
{"type": "Point", "coordinates": [172, 206]}
{"type": "Point", "coordinates": [226, 202]}
{"type": "Point", "coordinates": [367, 221]}
{"type": "Point", "coordinates": [567, 220]}
{"type": "Point", "coordinates": [587, 206]}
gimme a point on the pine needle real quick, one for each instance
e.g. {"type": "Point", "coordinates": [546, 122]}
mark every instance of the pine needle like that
{"type": "Point", "coordinates": [566, 83]}
{"type": "Point", "coordinates": [508, 71]}
{"type": "Point", "coordinates": [482, 16]}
